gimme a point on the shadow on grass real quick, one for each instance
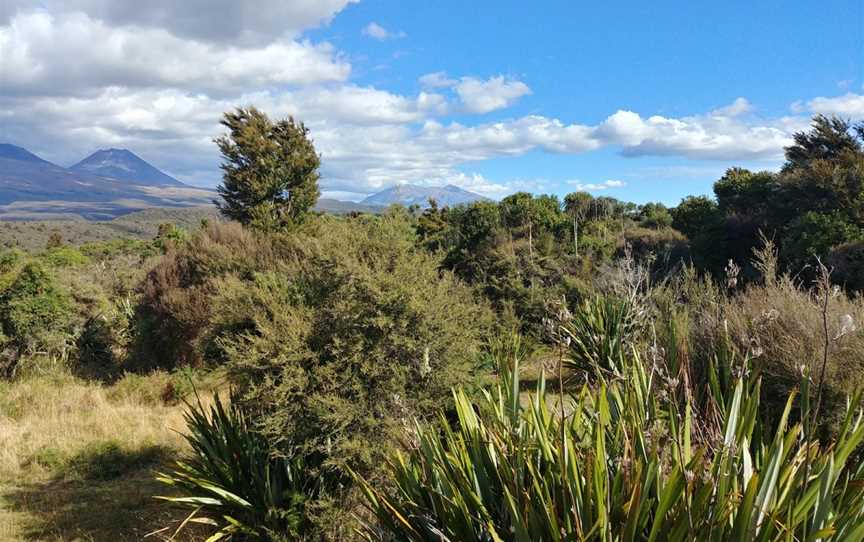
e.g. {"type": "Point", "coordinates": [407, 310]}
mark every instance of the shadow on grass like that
{"type": "Point", "coordinates": [104, 493]}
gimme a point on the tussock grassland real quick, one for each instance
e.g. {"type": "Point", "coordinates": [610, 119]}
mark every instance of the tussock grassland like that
{"type": "Point", "coordinates": [77, 457]}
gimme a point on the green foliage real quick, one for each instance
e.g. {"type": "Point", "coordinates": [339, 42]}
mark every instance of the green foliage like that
{"type": "Point", "coordinates": [829, 139]}
{"type": "Point", "coordinates": [169, 236]}
{"type": "Point", "coordinates": [630, 461]}
{"type": "Point", "coordinates": [32, 306]}
{"type": "Point", "coordinates": [9, 259]}
{"type": "Point", "coordinates": [116, 247]}
{"type": "Point", "coordinates": [655, 216]}
{"type": "Point", "coordinates": [333, 333]}
{"type": "Point", "coordinates": [814, 234]}
{"type": "Point", "coordinates": [64, 257]}
{"type": "Point", "coordinates": [816, 202]}
{"type": "Point", "coordinates": [94, 346]}
{"type": "Point", "coordinates": [270, 170]}
{"type": "Point", "coordinates": [847, 260]}
{"type": "Point", "coordinates": [232, 482]}
{"type": "Point", "coordinates": [666, 247]}
{"type": "Point", "coordinates": [600, 332]}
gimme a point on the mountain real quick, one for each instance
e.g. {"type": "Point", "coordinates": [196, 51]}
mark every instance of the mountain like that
{"type": "Point", "coordinates": [11, 152]}
{"type": "Point", "coordinates": [123, 165]}
{"type": "Point", "coordinates": [408, 194]}
{"type": "Point", "coordinates": [24, 176]}
{"type": "Point", "coordinates": [105, 185]}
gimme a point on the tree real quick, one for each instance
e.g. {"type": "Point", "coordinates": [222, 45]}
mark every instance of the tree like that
{"type": "Point", "coordinates": [695, 215]}
{"type": "Point", "coordinates": [270, 170]}
{"type": "Point", "coordinates": [815, 234]}
{"type": "Point", "coordinates": [516, 212]}
{"type": "Point", "coordinates": [829, 138]}
{"type": "Point", "coordinates": [577, 205]}
{"type": "Point", "coordinates": [655, 216]}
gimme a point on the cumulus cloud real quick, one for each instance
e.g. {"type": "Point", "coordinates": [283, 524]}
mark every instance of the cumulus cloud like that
{"type": "Point", "coordinates": [369, 138]}
{"type": "Point", "coordinates": [378, 32]}
{"type": "Point", "coordinates": [479, 96]}
{"type": "Point", "coordinates": [594, 187]}
{"type": "Point", "coordinates": [738, 107]}
{"type": "Point", "coordinates": [848, 105]}
{"type": "Point", "coordinates": [43, 54]}
{"type": "Point", "coordinates": [218, 21]}
{"type": "Point", "coordinates": [164, 72]}
{"type": "Point", "coordinates": [437, 80]}
{"type": "Point", "coordinates": [708, 137]}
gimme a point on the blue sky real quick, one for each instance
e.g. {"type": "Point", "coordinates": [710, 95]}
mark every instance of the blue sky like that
{"type": "Point", "coordinates": [640, 101]}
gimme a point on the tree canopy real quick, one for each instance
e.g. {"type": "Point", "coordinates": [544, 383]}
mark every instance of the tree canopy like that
{"type": "Point", "coordinates": [270, 178]}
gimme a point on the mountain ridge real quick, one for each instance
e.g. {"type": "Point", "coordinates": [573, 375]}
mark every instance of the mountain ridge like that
{"type": "Point", "coordinates": [124, 165]}
{"type": "Point", "coordinates": [410, 194]}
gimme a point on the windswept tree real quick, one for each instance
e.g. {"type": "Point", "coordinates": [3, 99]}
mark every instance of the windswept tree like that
{"type": "Point", "coordinates": [270, 178]}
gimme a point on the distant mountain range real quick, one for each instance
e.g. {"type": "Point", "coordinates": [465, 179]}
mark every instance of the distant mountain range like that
{"type": "Point", "coordinates": [114, 182]}
{"type": "Point", "coordinates": [409, 194]}
{"type": "Point", "coordinates": [106, 184]}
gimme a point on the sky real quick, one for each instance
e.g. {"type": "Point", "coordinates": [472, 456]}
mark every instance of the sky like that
{"type": "Point", "coordinates": [642, 101]}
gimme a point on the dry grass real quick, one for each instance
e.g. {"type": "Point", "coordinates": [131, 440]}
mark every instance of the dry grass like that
{"type": "Point", "coordinates": [77, 457]}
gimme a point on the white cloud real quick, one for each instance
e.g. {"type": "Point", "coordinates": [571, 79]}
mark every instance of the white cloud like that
{"type": "Point", "coordinates": [706, 137]}
{"type": "Point", "coordinates": [848, 105]}
{"type": "Point", "coordinates": [594, 187]}
{"type": "Point", "coordinates": [738, 107]}
{"type": "Point", "coordinates": [437, 80]}
{"type": "Point", "coordinates": [369, 138]}
{"type": "Point", "coordinates": [217, 21]}
{"type": "Point", "coordinates": [378, 32]}
{"type": "Point", "coordinates": [160, 86]}
{"type": "Point", "coordinates": [494, 93]}
{"type": "Point", "coordinates": [45, 54]}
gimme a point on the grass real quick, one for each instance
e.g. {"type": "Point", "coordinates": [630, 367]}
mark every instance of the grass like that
{"type": "Point", "coordinates": [77, 458]}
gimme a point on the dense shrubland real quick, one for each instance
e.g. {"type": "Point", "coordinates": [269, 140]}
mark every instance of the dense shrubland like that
{"type": "Point", "coordinates": [695, 368]}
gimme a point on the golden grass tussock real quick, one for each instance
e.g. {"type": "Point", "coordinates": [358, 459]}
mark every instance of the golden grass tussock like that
{"type": "Point", "coordinates": [46, 419]}
{"type": "Point", "coordinates": [77, 457]}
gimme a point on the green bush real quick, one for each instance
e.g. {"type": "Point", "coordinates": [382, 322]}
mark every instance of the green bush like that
{"type": "Point", "coordinates": [176, 296]}
{"type": "Point", "coordinates": [9, 259]}
{"type": "Point", "coordinates": [64, 257]}
{"type": "Point", "coordinates": [600, 333]}
{"type": "Point", "coordinates": [632, 460]}
{"type": "Point", "coordinates": [232, 481]}
{"type": "Point", "coordinates": [335, 334]}
{"type": "Point", "coordinates": [848, 262]}
{"type": "Point", "coordinates": [32, 307]}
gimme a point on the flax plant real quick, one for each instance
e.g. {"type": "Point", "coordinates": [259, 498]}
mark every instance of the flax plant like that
{"type": "Point", "coordinates": [631, 466]}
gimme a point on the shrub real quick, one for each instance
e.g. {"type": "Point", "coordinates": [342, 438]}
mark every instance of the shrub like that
{"type": "Point", "coordinates": [666, 247]}
{"type": "Point", "coordinates": [64, 257]}
{"type": "Point", "coordinates": [601, 332]}
{"type": "Point", "coordinates": [176, 295]}
{"type": "Point", "coordinates": [848, 263]}
{"type": "Point", "coordinates": [9, 259]}
{"type": "Point", "coordinates": [775, 321]}
{"type": "Point", "coordinates": [335, 334]}
{"type": "Point", "coordinates": [231, 480]}
{"type": "Point", "coordinates": [32, 307]}
{"type": "Point", "coordinates": [631, 460]}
